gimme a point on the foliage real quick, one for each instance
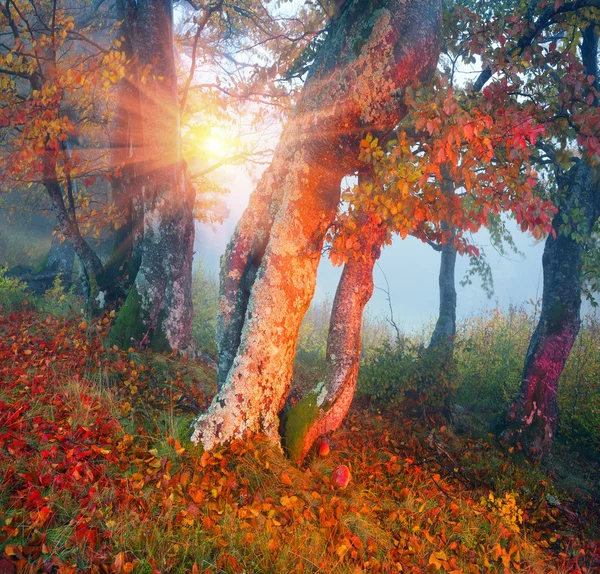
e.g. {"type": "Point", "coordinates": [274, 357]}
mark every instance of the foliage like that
{"type": "Point", "coordinates": [13, 293]}
{"type": "Point", "coordinates": [485, 375]}
{"type": "Point", "coordinates": [55, 84]}
{"type": "Point", "coordinates": [205, 298]}
{"type": "Point", "coordinates": [59, 301]}
{"type": "Point", "coordinates": [391, 374]}
{"type": "Point", "coordinates": [96, 473]}
{"type": "Point", "coordinates": [507, 508]}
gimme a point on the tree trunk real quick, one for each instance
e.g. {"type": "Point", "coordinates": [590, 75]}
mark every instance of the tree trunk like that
{"type": "Point", "coordinates": [532, 418]}
{"type": "Point", "coordinates": [324, 408]}
{"type": "Point", "coordinates": [68, 226]}
{"type": "Point", "coordinates": [158, 310]}
{"type": "Point", "coordinates": [443, 335]}
{"type": "Point", "coordinates": [372, 51]}
{"type": "Point", "coordinates": [240, 263]}
{"type": "Point", "coordinates": [121, 268]}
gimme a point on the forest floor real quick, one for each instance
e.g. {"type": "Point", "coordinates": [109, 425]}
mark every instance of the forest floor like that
{"type": "Point", "coordinates": [97, 474]}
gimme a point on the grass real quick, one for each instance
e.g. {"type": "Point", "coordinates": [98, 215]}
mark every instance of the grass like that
{"type": "Point", "coordinates": [97, 474]}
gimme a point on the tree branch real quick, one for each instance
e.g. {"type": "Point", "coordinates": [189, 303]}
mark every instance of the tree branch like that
{"type": "Point", "coordinates": [545, 19]}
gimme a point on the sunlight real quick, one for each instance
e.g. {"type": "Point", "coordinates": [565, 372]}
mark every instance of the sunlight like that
{"type": "Point", "coordinates": [218, 146]}
{"type": "Point", "coordinates": [208, 145]}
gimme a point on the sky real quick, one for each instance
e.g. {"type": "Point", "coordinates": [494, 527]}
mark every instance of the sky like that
{"type": "Point", "coordinates": [411, 267]}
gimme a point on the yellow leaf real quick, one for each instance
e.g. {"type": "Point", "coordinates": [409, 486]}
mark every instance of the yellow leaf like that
{"type": "Point", "coordinates": [433, 561]}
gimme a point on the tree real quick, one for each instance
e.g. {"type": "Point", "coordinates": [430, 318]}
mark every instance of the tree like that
{"type": "Point", "coordinates": [51, 75]}
{"type": "Point", "coordinates": [158, 309]}
{"type": "Point", "coordinates": [533, 54]}
{"type": "Point", "coordinates": [323, 409]}
{"type": "Point", "coordinates": [458, 163]}
{"type": "Point", "coordinates": [365, 59]}
{"type": "Point", "coordinates": [532, 418]}
{"type": "Point", "coordinates": [158, 237]}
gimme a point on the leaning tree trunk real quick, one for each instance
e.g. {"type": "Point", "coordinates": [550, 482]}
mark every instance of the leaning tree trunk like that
{"type": "Point", "coordinates": [67, 223]}
{"type": "Point", "coordinates": [324, 408]}
{"type": "Point", "coordinates": [532, 418]}
{"type": "Point", "coordinates": [241, 260]}
{"type": "Point", "coordinates": [373, 50]}
{"type": "Point", "coordinates": [158, 310]}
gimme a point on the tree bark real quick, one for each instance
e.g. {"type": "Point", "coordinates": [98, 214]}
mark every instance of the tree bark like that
{"type": "Point", "coordinates": [68, 226]}
{"type": "Point", "coordinates": [532, 418]}
{"type": "Point", "coordinates": [323, 409]}
{"type": "Point", "coordinates": [372, 51]}
{"type": "Point", "coordinates": [121, 268]}
{"type": "Point", "coordinates": [444, 332]}
{"type": "Point", "coordinates": [158, 310]}
{"type": "Point", "coordinates": [240, 263]}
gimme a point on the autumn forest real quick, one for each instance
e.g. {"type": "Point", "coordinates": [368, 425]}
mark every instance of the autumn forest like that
{"type": "Point", "coordinates": [157, 416]}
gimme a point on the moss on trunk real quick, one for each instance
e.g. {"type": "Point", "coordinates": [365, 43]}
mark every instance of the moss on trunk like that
{"type": "Point", "coordinates": [128, 328]}
{"type": "Point", "coordinates": [297, 422]}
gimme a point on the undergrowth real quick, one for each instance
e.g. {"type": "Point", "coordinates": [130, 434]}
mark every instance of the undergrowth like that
{"type": "Point", "coordinates": [485, 374]}
{"type": "Point", "coordinates": [97, 474]}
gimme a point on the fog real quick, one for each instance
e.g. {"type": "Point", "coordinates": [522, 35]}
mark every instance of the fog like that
{"type": "Point", "coordinates": [411, 267]}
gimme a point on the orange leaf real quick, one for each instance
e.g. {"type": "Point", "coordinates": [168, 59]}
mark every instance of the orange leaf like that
{"type": "Point", "coordinates": [204, 459]}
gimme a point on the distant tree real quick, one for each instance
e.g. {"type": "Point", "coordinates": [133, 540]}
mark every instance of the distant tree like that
{"type": "Point", "coordinates": [52, 74]}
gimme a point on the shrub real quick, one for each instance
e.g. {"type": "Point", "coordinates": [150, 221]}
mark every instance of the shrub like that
{"type": "Point", "coordinates": [59, 301]}
{"type": "Point", "coordinates": [490, 351]}
{"type": "Point", "coordinates": [390, 374]}
{"type": "Point", "coordinates": [579, 390]}
{"type": "Point", "coordinates": [485, 374]}
{"type": "Point", "coordinates": [13, 293]}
